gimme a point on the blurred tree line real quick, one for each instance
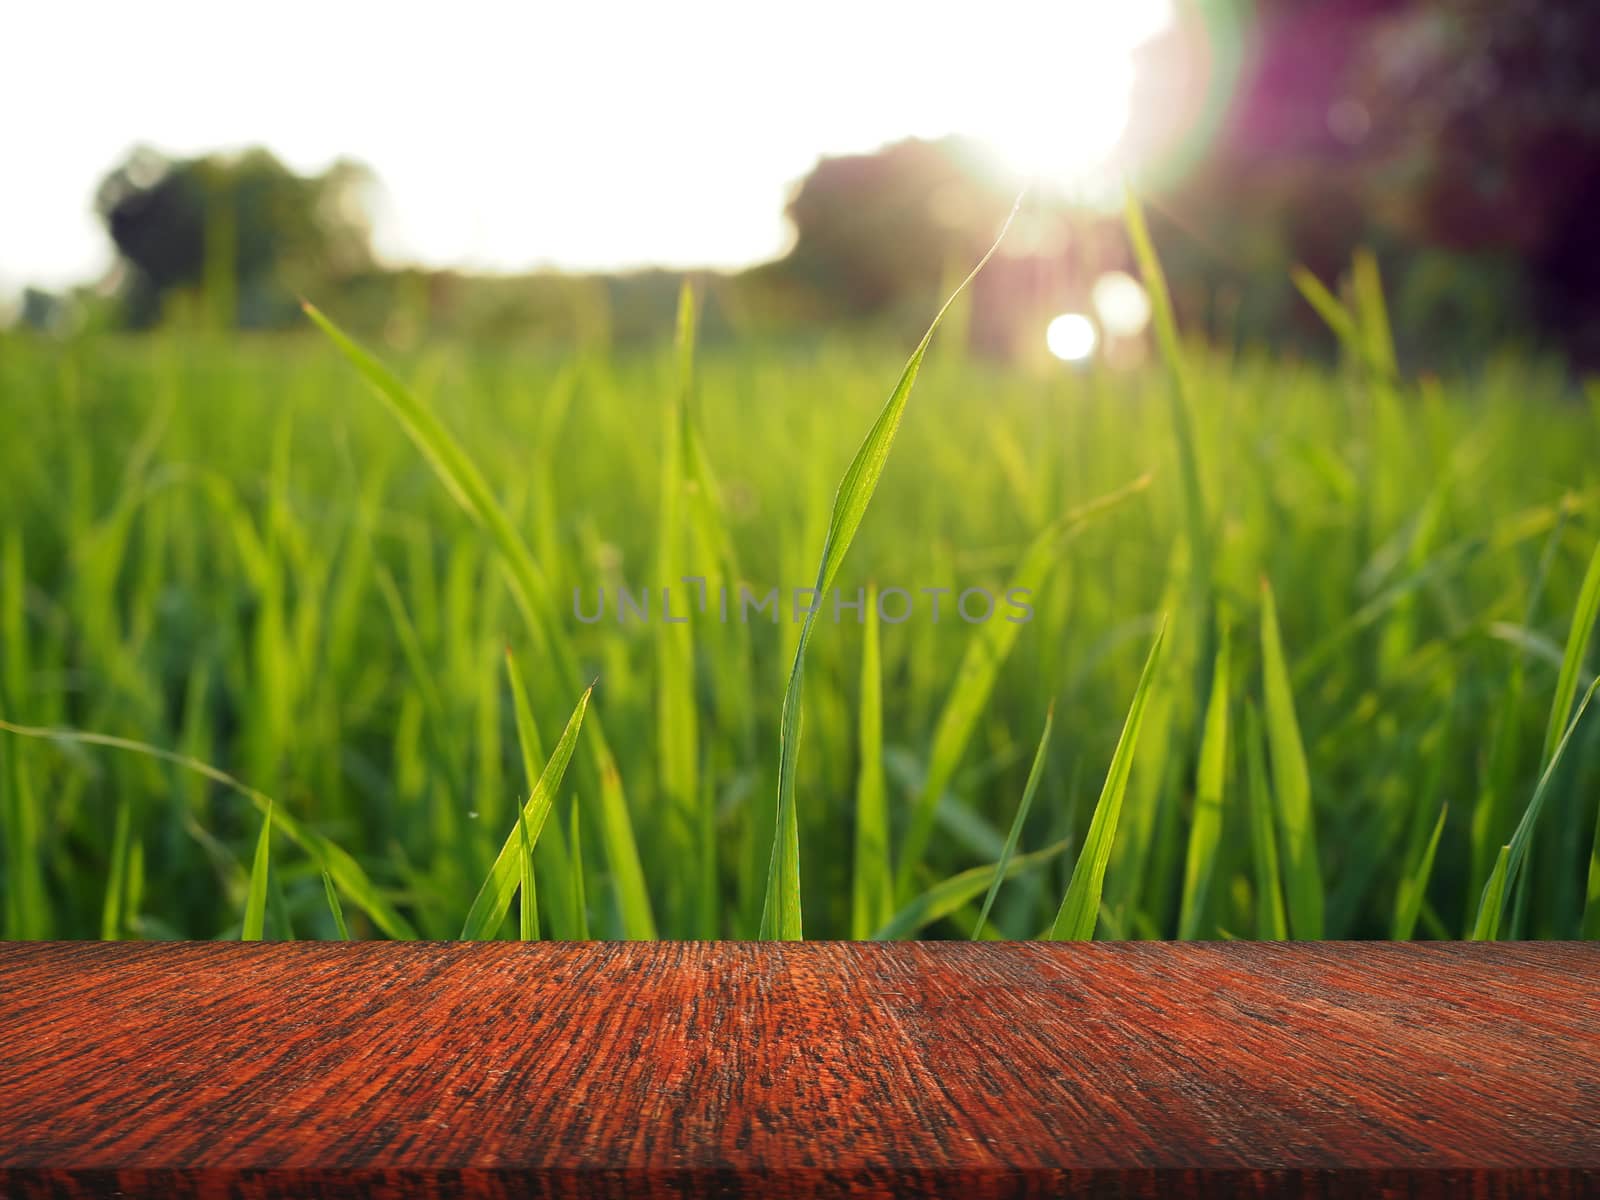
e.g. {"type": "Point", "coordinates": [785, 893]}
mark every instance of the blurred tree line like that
{"type": "Point", "coordinates": [1461, 140]}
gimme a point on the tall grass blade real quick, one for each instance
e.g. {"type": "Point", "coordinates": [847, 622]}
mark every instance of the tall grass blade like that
{"type": "Point", "coordinates": [580, 902]}
{"type": "Point", "coordinates": [677, 707]}
{"type": "Point", "coordinates": [1271, 923]}
{"type": "Point", "coordinates": [1080, 906]}
{"type": "Point", "coordinates": [1182, 386]}
{"type": "Point", "coordinates": [1507, 873]}
{"type": "Point", "coordinates": [466, 484]}
{"type": "Point", "coordinates": [1035, 773]}
{"type": "Point", "coordinates": [1577, 649]}
{"type": "Point", "coordinates": [1590, 927]}
{"type": "Point", "coordinates": [1414, 885]}
{"type": "Point", "coordinates": [872, 892]}
{"type": "Point", "coordinates": [255, 904]}
{"type": "Point", "coordinates": [987, 650]}
{"type": "Point", "coordinates": [1486, 926]}
{"type": "Point", "coordinates": [949, 896]}
{"type": "Point", "coordinates": [111, 913]}
{"type": "Point", "coordinates": [335, 907]}
{"type": "Point", "coordinates": [780, 912]}
{"type": "Point", "coordinates": [490, 906]}
{"type": "Point", "coordinates": [528, 903]}
{"type": "Point", "coordinates": [1205, 832]}
{"type": "Point", "coordinates": [1291, 780]}
{"type": "Point", "coordinates": [344, 869]}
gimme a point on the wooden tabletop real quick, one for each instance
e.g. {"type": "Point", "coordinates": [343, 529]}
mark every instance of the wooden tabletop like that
{"type": "Point", "coordinates": [501, 1069]}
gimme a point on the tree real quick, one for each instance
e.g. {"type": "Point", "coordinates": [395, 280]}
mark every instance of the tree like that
{"type": "Point", "coordinates": [875, 231]}
{"type": "Point", "coordinates": [1486, 122]}
{"type": "Point", "coordinates": [242, 229]}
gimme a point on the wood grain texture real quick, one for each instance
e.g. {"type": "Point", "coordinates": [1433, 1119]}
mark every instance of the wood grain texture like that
{"type": "Point", "coordinates": [987, 1070]}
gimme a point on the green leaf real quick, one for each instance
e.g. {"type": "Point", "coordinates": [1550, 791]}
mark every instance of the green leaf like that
{"type": "Point", "coordinates": [676, 705]}
{"type": "Point", "coordinates": [344, 869]}
{"type": "Point", "coordinates": [1577, 649]}
{"type": "Point", "coordinates": [1271, 923]}
{"type": "Point", "coordinates": [1491, 907]}
{"type": "Point", "coordinates": [987, 649]}
{"type": "Point", "coordinates": [872, 891]}
{"type": "Point", "coordinates": [1291, 780]}
{"type": "Point", "coordinates": [1035, 773]}
{"type": "Point", "coordinates": [111, 913]}
{"type": "Point", "coordinates": [255, 905]}
{"type": "Point", "coordinates": [1080, 906]}
{"type": "Point", "coordinates": [1414, 885]}
{"type": "Point", "coordinates": [950, 895]}
{"type": "Point", "coordinates": [780, 910]}
{"type": "Point", "coordinates": [489, 908]}
{"type": "Point", "coordinates": [1486, 928]}
{"type": "Point", "coordinates": [1205, 832]}
{"type": "Point", "coordinates": [580, 903]}
{"type": "Point", "coordinates": [528, 905]}
{"type": "Point", "coordinates": [1181, 384]}
{"type": "Point", "coordinates": [531, 593]}
{"type": "Point", "coordinates": [335, 907]}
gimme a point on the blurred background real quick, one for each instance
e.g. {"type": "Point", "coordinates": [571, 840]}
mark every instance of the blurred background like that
{"type": "Point", "coordinates": [545, 172]}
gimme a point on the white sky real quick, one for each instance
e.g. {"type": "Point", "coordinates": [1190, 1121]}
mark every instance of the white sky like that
{"type": "Point", "coordinates": [506, 136]}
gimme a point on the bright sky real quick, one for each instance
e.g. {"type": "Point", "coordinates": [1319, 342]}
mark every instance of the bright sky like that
{"type": "Point", "coordinates": [575, 134]}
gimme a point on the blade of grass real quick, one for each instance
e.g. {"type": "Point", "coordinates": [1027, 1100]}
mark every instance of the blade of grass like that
{"type": "Point", "coordinates": [580, 903]}
{"type": "Point", "coordinates": [531, 747]}
{"type": "Point", "coordinates": [1080, 906]}
{"type": "Point", "coordinates": [780, 910]}
{"type": "Point", "coordinates": [1291, 780]}
{"type": "Point", "coordinates": [987, 650]}
{"type": "Point", "coordinates": [872, 893]}
{"type": "Point", "coordinates": [1205, 833]}
{"type": "Point", "coordinates": [1181, 390]}
{"type": "Point", "coordinates": [676, 707]}
{"type": "Point", "coordinates": [1035, 773]}
{"type": "Point", "coordinates": [344, 869]}
{"type": "Point", "coordinates": [1491, 908]}
{"type": "Point", "coordinates": [528, 905]}
{"type": "Point", "coordinates": [1271, 923]}
{"type": "Point", "coordinates": [530, 590]}
{"type": "Point", "coordinates": [255, 904]}
{"type": "Point", "coordinates": [111, 914]}
{"type": "Point", "coordinates": [948, 896]}
{"type": "Point", "coordinates": [335, 907]}
{"type": "Point", "coordinates": [489, 908]}
{"type": "Point", "coordinates": [1590, 927]}
{"type": "Point", "coordinates": [1577, 649]}
{"type": "Point", "coordinates": [1414, 885]}
{"type": "Point", "coordinates": [1486, 927]}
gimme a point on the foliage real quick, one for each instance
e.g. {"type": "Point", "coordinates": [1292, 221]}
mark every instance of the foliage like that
{"type": "Point", "coordinates": [241, 231]}
{"type": "Point", "coordinates": [241, 571]}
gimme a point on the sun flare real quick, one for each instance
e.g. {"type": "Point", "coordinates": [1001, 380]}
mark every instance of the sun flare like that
{"type": "Point", "coordinates": [1056, 105]}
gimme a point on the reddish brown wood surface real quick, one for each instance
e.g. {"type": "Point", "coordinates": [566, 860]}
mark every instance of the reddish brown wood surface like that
{"type": "Point", "coordinates": [766, 1070]}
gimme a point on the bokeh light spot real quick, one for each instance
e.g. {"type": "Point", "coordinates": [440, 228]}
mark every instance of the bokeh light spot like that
{"type": "Point", "coordinates": [1121, 303]}
{"type": "Point", "coordinates": [1071, 337]}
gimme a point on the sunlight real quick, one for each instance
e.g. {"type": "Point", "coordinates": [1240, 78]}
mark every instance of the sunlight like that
{"type": "Point", "coordinates": [1121, 303]}
{"type": "Point", "coordinates": [1056, 105]}
{"type": "Point", "coordinates": [1071, 337]}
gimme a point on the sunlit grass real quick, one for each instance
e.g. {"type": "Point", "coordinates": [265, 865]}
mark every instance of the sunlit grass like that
{"type": "Point", "coordinates": [229, 574]}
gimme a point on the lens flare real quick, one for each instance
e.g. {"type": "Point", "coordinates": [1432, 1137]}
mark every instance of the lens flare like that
{"type": "Point", "coordinates": [1121, 303]}
{"type": "Point", "coordinates": [1071, 337]}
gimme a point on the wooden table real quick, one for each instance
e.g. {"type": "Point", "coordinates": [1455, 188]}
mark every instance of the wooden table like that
{"type": "Point", "coordinates": [1140, 1069]}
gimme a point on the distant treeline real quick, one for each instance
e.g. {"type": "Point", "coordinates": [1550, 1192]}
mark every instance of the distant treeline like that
{"type": "Point", "coordinates": [1460, 141]}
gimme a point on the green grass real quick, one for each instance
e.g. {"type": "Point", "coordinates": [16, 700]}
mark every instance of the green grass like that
{"type": "Point", "coordinates": [281, 623]}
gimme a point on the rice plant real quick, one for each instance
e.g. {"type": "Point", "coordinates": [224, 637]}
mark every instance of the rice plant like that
{"type": "Point", "coordinates": [285, 624]}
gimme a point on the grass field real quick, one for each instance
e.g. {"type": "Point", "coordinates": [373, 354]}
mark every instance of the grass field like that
{"type": "Point", "coordinates": [1376, 597]}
